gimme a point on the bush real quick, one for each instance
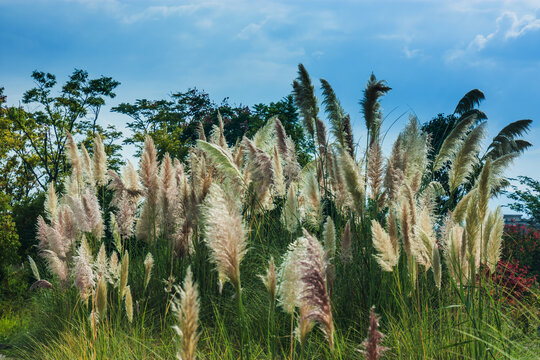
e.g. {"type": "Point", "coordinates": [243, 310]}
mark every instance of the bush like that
{"type": "Point", "coordinates": [521, 245]}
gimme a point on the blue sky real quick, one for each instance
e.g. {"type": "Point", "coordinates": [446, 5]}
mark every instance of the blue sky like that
{"type": "Point", "coordinates": [430, 52]}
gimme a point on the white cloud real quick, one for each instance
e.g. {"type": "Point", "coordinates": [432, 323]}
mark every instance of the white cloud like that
{"type": "Point", "coordinates": [411, 53]}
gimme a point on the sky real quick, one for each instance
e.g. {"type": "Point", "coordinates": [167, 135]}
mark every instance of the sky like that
{"type": "Point", "coordinates": [430, 52]}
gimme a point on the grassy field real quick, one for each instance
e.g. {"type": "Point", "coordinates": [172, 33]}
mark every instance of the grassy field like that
{"type": "Point", "coordinates": [349, 257]}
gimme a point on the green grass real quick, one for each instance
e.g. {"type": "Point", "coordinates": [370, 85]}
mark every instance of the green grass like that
{"type": "Point", "coordinates": [419, 322]}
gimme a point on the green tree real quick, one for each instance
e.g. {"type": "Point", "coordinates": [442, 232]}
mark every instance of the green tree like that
{"type": "Point", "coordinates": [171, 123]}
{"type": "Point", "coordinates": [526, 197]}
{"type": "Point", "coordinates": [174, 123]}
{"type": "Point", "coordinates": [9, 239]}
{"type": "Point", "coordinates": [36, 140]}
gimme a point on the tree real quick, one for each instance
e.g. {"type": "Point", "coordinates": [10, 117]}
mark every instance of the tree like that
{"type": "Point", "coordinates": [527, 200]}
{"type": "Point", "coordinates": [9, 239]}
{"type": "Point", "coordinates": [36, 140]}
{"type": "Point", "coordinates": [174, 123]}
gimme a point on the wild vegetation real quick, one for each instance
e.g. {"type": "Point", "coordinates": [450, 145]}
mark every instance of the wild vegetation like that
{"type": "Point", "coordinates": [245, 251]}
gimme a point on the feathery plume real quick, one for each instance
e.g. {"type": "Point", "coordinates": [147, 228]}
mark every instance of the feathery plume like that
{"type": "Point", "coordinates": [311, 196]}
{"type": "Point", "coordinates": [305, 325]}
{"type": "Point", "coordinates": [51, 203]}
{"type": "Point", "coordinates": [260, 169]}
{"type": "Point", "coordinates": [392, 230]}
{"type": "Point", "coordinates": [346, 244]}
{"type": "Point", "coordinates": [281, 139]}
{"type": "Point", "coordinates": [454, 243]}
{"type": "Point", "coordinates": [88, 172]}
{"type": "Point", "coordinates": [265, 137]}
{"type": "Point", "coordinates": [424, 239]}
{"type": "Point", "coordinates": [466, 157]}
{"type": "Point", "coordinates": [101, 297]}
{"type": "Point", "coordinates": [371, 107]}
{"type": "Point", "coordinates": [460, 210]}
{"type": "Point", "coordinates": [74, 160]}
{"type": "Point", "coordinates": [395, 171]}
{"type": "Point", "coordinates": [200, 131]}
{"type": "Point", "coordinates": [150, 179]}
{"type": "Point", "coordinates": [321, 136]}
{"type": "Point", "coordinates": [270, 279]}
{"type": "Point", "coordinates": [349, 140]}
{"type": "Point", "coordinates": [335, 112]}
{"type": "Point", "coordinates": [453, 141]}
{"type": "Point", "coordinates": [279, 183]}
{"type": "Point", "coordinates": [493, 246]}
{"type": "Point", "coordinates": [82, 270]}
{"type": "Point", "coordinates": [223, 161]}
{"type": "Point", "coordinates": [50, 238]}
{"type": "Point", "coordinates": [484, 189]}
{"type": "Point", "coordinates": [99, 161]}
{"type": "Point", "coordinates": [290, 217]}
{"type": "Point", "coordinates": [101, 264]}
{"type": "Point", "coordinates": [314, 297]}
{"type": "Point", "coordinates": [436, 266]}
{"type": "Point", "coordinates": [148, 264]}
{"type": "Point", "coordinates": [353, 180]}
{"type": "Point", "coordinates": [329, 236]}
{"type": "Point", "coordinates": [186, 310]}
{"type": "Point", "coordinates": [124, 272]}
{"type": "Point", "coordinates": [56, 265]}
{"type": "Point", "coordinates": [375, 170]}
{"type": "Point", "coordinates": [304, 97]}
{"type": "Point", "coordinates": [290, 287]}
{"type": "Point", "coordinates": [472, 230]}
{"type": "Point", "coordinates": [388, 255]}
{"type": "Point", "coordinates": [168, 196]}
{"type": "Point", "coordinates": [93, 213]}
{"type": "Point", "coordinates": [128, 301]}
{"type": "Point", "coordinates": [79, 213]}
{"type": "Point", "coordinates": [372, 344]}
{"type": "Point", "coordinates": [222, 141]}
{"type": "Point", "coordinates": [224, 234]}
{"type": "Point", "coordinates": [114, 269]}
{"type": "Point", "coordinates": [34, 268]}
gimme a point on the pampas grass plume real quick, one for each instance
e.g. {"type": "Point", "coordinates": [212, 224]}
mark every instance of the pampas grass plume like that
{"type": "Point", "coordinates": [124, 272]}
{"type": "Point", "coordinates": [51, 203]}
{"type": "Point", "coordinates": [129, 304]}
{"type": "Point", "coordinates": [270, 279]}
{"type": "Point", "coordinates": [225, 234]}
{"type": "Point", "coordinates": [187, 312]}
{"type": "Point", "coordinates": [346, 243]}
{"type": "Point", "coordinates": [373, 350]}
{"type": "Point", "coordinates": [148, 265]}
{"type": "Point", "coordinates": [388, 255]}
{"type": "Point", "coordinates": [329, 237]}
{"type": "Point", "coordinates": [101, 297]}
{"type": "Point", "coordinates": [99, 161]}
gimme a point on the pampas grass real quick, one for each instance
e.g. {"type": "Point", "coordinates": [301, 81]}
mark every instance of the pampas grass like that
{"type": "Point", "coordinates": [197, 215]}
{"type": "Point", "coordinates": [186, 310]}
{"type": "Point", "coordinates": [314, 299]}
{"type": "Point", "coordinates": [346, 244]}
{"type": "Point", "coordinates": [148, 265]}
{"type": "Point", "coordinates": [224, 234]}
{"type": "Point", "coordinates": [388, 253]}
{"type": "Point", "coordinates": [373, 350]}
